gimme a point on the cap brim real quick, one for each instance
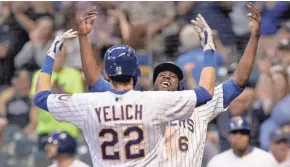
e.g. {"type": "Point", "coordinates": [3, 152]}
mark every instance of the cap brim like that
{"type": "Point", "coordinates": [240, 130]}
{"type": "Point", "coordinates": [168, 67]}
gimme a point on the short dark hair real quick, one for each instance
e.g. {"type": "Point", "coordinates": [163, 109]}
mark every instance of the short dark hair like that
{"type": "Point", "coordinates": [122, 79]}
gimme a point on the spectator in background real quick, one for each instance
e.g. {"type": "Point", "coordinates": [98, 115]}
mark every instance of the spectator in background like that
{"type": "Point", "coordinates": [100, 37]}
{"type": "Point", "coordinates": [33, 52]}
{"type": "Point", "coordinates": [17, 20]}
{"type": "Point", "coordinates": [241, 106]}
{"type": "Point", "coordinates": [284, 31]}
{"type": "Point", "coordinates": [240, 24]}
{"type": "Point", "coordinates": [6, 60]}
{"type": "Point", "coordinates": [279, 145]}
{"type": "Point", "coordinates": [157, 18]}
{"type": "Point", "coordinates": [271, 12]}
{"type": "Point", "coordinates": [62, 147]}
{"type": "Point", "coordinates": [241, 153]}
{"type": "Point", "coordinates": [279, 95]}
{"type": "Point", "coordinates": [65, 80]}
{"type": "Point", "coordinates": [15, 105]}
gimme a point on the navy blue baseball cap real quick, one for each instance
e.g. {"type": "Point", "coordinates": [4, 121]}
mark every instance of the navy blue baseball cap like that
{"type": "Point", "coordinates": [239, 123]}
{"type": "Point", "coordinates": [280, 134]}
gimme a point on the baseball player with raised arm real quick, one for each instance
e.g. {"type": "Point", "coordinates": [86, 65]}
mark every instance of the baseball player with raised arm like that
{"type": "Point", "coordinates": [185, 139]}
{"type": "Point", "coordinates": [119, 125]}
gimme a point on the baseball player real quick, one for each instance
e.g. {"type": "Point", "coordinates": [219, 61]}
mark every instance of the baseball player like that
{"type": "Point", "coordinates": [185, 139]}
{"type": "Point", "coordinates": [119, 125]}
{"type": "Point", "coordinates": [242, 153]}
{"type": "Point", "coordinates": [61, 147]}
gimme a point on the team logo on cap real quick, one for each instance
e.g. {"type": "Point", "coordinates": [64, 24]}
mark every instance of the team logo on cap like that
{"type": "Point", "coordinates": [119, 70]}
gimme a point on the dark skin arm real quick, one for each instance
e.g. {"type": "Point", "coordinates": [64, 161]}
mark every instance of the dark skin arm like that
{"type": "Point", "coordinates": [244, 68]}
{"type": "Point", "coordinates": [90, 67]}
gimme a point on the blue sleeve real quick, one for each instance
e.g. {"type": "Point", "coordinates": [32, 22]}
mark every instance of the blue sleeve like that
{"type": "Point", "coordinates": [40, 99]}
{"type": "Point", "coordinates": [202, 96]}
{"type": "Point", "coordinates": [101, 85]}
{"type": "Point", "coordinates": [230, 91]}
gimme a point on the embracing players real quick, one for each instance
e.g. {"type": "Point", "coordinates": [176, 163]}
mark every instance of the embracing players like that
{"type": "Point", "coordinates": [185, 139]}
{"type": "Point", "coordinates": [123, 127]}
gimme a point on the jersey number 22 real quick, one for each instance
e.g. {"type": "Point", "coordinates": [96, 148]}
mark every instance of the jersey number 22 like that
{"type": "Point", "coordinates": [128, 145]}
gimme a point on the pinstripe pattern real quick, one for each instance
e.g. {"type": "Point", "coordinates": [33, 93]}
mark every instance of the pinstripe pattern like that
{"type": "Point", "coordinates": [172, 155]}
{"type": "Point", "coordinates": [87, 112]}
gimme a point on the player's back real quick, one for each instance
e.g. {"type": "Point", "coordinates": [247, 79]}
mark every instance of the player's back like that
{"type": "Point", "coordinates": [127, 128]}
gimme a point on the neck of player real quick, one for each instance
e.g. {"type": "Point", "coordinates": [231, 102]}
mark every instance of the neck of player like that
{"type": "Point", "coordinates": [122, 87]}
{"type": "Point", "coordinates": [242, 152]}
{"type": "Point", "coordinates": [64, 160]}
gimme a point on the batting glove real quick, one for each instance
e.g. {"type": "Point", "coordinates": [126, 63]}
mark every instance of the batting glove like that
{"type": "Point", "coordinates": [58, 42]}
{"type": "Point", "coordinates": [204, 33]}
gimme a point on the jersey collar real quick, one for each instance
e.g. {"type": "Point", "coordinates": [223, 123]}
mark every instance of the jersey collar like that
{"type": "Point", "coordinates": [119, 92]}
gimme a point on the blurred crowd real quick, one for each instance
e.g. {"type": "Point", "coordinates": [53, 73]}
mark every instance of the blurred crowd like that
{"type": "Point", "coordinates": [158, 31]}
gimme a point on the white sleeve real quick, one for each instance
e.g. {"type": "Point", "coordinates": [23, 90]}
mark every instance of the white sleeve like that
{"type": "Point", "coordinates": [213, 107]}
{"type": "Point", "coordinates": [170, 106]}
{"type": "Point", "coordinates": [69, 108]}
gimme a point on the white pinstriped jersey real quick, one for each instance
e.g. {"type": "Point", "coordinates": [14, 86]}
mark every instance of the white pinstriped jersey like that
{"type": "Point", "coordinates": [123, 129]}
{"type": "Point", "coordinates": [185, 140]}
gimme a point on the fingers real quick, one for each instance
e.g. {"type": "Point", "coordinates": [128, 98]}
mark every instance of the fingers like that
{"type": "Point", "coordinates": [94, 18]}
{"type": "Point", "coordinates": [69, 34]}
{"type": "Point", "coordinates": [86, 18]}
{"type": "Point", "coordinates": [90, 10]}
{"type": "Point", "coordinates": [89, 14]}
{"type": "Point", "coordinates": [68, 31]}
{"type": "Point", "coordinates": [197, 23]}
{"type": "Point", "coordinates": [252, 17]}
{"type": "Point", "coordinates": [255, 14]}
{"type": "Point", "coordinates": [202, 20]}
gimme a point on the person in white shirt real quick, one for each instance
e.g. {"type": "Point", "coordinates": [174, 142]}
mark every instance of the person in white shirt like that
{"type": "Point", "coordinates": [241, 153]}
{"type": "Point", "coordinates": [279, 145]}
{"type": "Point", "coordinates": [61, 147]}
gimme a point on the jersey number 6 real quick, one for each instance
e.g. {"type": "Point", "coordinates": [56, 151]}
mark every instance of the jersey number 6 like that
{"type": "Point", "coordinates": [128, 145]}
{"type": "Point", "coordinates": [182, 143]}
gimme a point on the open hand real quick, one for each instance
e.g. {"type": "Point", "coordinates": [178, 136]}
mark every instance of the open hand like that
{"type": "Point", "coordinates": [87, 20]}
{"type": "Point", "coordinates": [57, 44]}
{"type": "Point", "coordinates": [255, 20]}
{"type": "Point", "coordinates": [204, 32]}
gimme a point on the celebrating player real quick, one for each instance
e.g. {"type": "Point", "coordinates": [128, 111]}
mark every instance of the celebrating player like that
{"type": "Point", "coordinates": [62, 147]}
{"type": "Point", "coordinates": [185, 139]}
{"type": "Point", "coordinates": [119, 125]}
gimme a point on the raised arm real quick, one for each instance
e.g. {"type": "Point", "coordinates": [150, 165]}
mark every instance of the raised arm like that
{"type": "Point", "coordinates": [89, 64]}
{"type": "Point", "coordinates": [63, 107]}
{"type": "Point", "coordinates": [244, 68]}
{"type": "Point", "coordinates": [90, 67]}
{"type": "Point", "coordinates": [205, 90]}
{"type": "Point", "coordinates": [43, 85]}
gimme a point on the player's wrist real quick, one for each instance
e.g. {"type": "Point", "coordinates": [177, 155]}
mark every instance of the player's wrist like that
{"type": "Point", "coordinates": [51, 54]}
{"type": "Point", "coordinates": [47, 67]}
{"type": "Point", "coordinates": [82, 35]}
{"type": "Point", "coordinates": [209, 46]}
{"type": "Point", "coordinates": [209, 58]}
